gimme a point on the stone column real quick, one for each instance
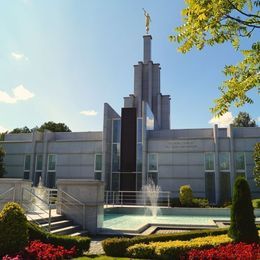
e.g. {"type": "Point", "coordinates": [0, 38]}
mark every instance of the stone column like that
{"type": "Point", "coordinates": [82, 200]}
{"type": "Point", "coordinates": [232, 158]}
{"type": "Point", "coordinates": [147, 48]}
{"type": "Point", "coordinates": [217, 174]}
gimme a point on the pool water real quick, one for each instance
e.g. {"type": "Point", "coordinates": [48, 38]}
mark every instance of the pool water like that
{"type": "Point", "coordinates": [135, 222]}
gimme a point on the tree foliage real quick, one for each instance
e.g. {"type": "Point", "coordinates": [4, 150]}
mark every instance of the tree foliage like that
{"type": "Point", "coordinates": [210, 22]}
{"type": "Point", "coordinates": [243, 119]}
{"type": "Point", "coordinates": [2, 167]}
{"type": "Point", "coordinates": [18, 130]}
{"type": "Point", "coordinates": [242, 224]}
{"type": "Point", "coordinates": [54, 127]}
{"type": "Point", "coordinates": [257, 164]}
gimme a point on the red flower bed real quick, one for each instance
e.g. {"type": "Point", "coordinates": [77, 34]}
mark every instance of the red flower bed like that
{"type": "Point", "coordinates": [239, 251]}
{"type": "Point", "coordinates": [42, 251]}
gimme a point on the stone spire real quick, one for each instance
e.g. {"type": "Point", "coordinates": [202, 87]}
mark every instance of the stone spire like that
{"type": "Point", "coordinates": [147, 48]}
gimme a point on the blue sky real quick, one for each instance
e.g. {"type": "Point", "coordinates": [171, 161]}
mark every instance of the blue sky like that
{"type": "Point", "coordinates": [59, 58]}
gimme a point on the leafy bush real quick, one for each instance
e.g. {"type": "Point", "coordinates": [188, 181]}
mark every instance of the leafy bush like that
{"type": "Point", "coordinates": [242, 226]}
{"type": "Point", "coordinates": [186, 195]}
{"type": "Point", "coordinates": [81, 243]}
{"type": "Point", "coordinates": [229, 251]}
{"type": "Point", "coordinates": [117, 247]}
{"type": "Point", "coordinates": [174, 249]}
{"type": "Point", "coordinates": [13, 229]}
{"type": "Point", "coordinates": [256, 203]}
{"type": "Point", "coordinates": [175, 202]}
{"type": "Point", "coordinates": [200, 203]}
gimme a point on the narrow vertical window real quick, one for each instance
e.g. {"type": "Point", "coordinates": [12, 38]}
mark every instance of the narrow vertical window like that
{"type": "Point", "coordinates": [51, 176]}
{"type": "Point", "coordinates": [27, 165]}
{"type": "Point", "coordinates": [224, 161]}
{"type": "Point", "coordinates": [209, 162]}
{"type": "Point", "coordinates": [98, 166]}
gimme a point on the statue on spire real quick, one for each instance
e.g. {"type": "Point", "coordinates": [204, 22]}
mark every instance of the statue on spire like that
{"type": "Point", "coordinates": [147, 21]}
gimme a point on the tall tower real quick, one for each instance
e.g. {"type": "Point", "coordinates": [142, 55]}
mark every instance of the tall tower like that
{"type": "Point", "coordinates": [147, 88]}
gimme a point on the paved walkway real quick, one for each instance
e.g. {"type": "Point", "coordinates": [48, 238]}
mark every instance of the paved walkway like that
{"type": "Point", "coordinates": [95, 246]}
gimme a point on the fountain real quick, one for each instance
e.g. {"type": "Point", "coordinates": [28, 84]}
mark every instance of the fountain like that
{"type": "Point", "coordinates": [152, 191]}
{"type": "Point", "coordinates": [40, 192]}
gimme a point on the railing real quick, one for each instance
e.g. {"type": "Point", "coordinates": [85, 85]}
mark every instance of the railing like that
{"type": "Point", "coordinates": [135, 198]}
{"type": "Point", "coordinates": [70, 206]}
{"type": "Point", "coordinates": [6, 196]}
{"type": "Point", "coordinates": [35, 205]}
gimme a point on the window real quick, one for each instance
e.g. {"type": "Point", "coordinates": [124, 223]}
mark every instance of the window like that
{"type": "Point", "coordinates": [52, 162]}
{"type": "Point", "coordinates": [209, 162]}
{"type": "Point", "coordinates": [98, 163]}
{"type": "Point", "coordinates": [153, 176]}
{"type": "Point", "coordinates": [224, 161]}
{"type": "Point", "coordinates": [27, 166]}
{"type": "Point", "coordinates": [152, 162]}
{"type": "Point", "coordinates": [139, 130]}
{"type": "Point", "coordinates": [139, 157]}
{"type": "Point", "coordinates": [116, 130]}
{"type": "Point", "coordinates": [38, 165]}
{"type": "Point", "coordinates": [51, 176]}
{"type": "Point", "coordinates": [115, 157]}
{"type": "Point", "coordinates": [240, 161]}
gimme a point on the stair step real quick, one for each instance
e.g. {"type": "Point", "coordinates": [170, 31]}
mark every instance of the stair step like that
{"type": "Point", "coordinates": [79, 233]}
{"type": "Point", "coordinates": [53, 219]}
{"type": "Point", "coordinates": [66, 230]}
{"type": "Point", "coordinates": [58, 224]}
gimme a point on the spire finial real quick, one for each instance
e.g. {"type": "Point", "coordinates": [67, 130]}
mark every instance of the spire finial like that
{"type": "Point", "coordinates": [147, 21]}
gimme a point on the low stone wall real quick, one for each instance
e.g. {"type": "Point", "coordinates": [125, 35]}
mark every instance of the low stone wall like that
{"type": "Point", "coordinates": [82, 200]}
{"type": "Point", "coordinates": [15, 194]}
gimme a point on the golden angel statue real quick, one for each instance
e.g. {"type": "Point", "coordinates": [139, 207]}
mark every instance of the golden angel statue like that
{"type": "Point", "coordinates": [147, 21]}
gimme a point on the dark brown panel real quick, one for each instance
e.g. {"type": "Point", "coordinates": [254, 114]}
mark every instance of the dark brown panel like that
{"type": "Point", "coordinates": [128, 140]}
{"type": "Point", "coordinates": [127, 182]}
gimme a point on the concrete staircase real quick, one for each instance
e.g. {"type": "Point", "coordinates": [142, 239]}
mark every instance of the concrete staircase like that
{"type": "Point", "coordinates": [61, 226]}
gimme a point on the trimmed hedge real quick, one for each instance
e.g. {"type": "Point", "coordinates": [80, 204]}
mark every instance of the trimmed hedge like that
{"type": "Point", "coordinates": [13, 229]}
{"type": "Point", "coordinates": [117, 247]}
{"type": "Point", "coordinates": [36, 233]}
{"type": "Point", "coordinates": [175, 249]}
{"type": "Point", "coordinates": [256, 203]}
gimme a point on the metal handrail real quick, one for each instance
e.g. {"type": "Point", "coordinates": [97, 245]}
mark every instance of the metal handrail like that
{"type": "Point", "coordinates": [48, 212]}
{"type": "Point", "coordinates": [3, 194]}
{"type": "Point", "coordinates": [68, 203]}
{"type": "Point", "coordinates": [133, 198]}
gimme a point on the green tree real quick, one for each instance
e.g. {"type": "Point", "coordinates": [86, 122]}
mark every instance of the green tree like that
{"type": "Point", "coordinates": [218, 21]}
{"type": "Point", "coordinates": [186, 195]}
{"type": "Point", "coordinates": [242, 226]}
{"type": "Point", "coordinates": [2, 167]}
{"type": "Point", "coordinates": [54, 127]}
{"type": "Point", "coordinates": [243, 119]}
{"type": "Point", "coordinates": [21, 130]}
{"type": "Point", "coordinates": [257, 164]}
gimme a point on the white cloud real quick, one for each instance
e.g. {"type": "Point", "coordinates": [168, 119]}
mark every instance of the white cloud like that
{"type": "Point", "coordinates": [19, 56]}
{"type": "Point", "coordinates": [19, 93]}
{"type": "Point", "coordinates": [258, 119]}
{"type": "Point", "coordinates": [88, 112]}
{"type": "Point", "coordinates": [3, 129]}
{"type": "Point", "coordinates": [223, 121]}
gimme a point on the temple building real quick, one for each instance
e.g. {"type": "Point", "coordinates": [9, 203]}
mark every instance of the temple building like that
{"type": "Point", "coordinates": [136, 145]}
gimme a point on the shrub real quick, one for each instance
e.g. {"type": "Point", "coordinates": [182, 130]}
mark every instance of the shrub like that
{"type": "Point", "coordinates": [174, 249]}
{"type": "Point", "coordinates": [200, 202]}
{"type": "Point", "coordinates": [242, 226]}
{"type": "Point", "coordinates": [256, 203]}
{"type": "Point", "coordinates": [13, 229]}
{"type": "Point", "coordinates": [117, 247]}
{"type": "Point", "coordinates": [175, 202]}
{"type": "Point", "coordinates": [229, 251]}
{"type": "Point", "coordinates": [186, 195]}
{"type": "Point", "coordinates": [81, 243]}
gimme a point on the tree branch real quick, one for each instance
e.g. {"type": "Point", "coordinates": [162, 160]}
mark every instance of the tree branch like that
{"type": "Point", "coordinates": [240, 11]}
{"type": "Point", "coordinates": [243, 22]}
